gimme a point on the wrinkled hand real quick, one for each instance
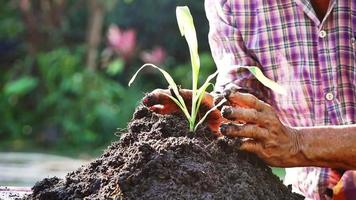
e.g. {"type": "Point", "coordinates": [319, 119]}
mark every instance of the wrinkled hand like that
{"type": "Point", "coordinates": [263, 133]}
{"type": "Point", "coordinates": [159, 102]}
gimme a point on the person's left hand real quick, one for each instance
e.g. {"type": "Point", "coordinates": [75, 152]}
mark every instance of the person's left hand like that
{"type": "Point", "coordinates": [263, 133]}
{"type": "Point", "coordinates": [158, 101]}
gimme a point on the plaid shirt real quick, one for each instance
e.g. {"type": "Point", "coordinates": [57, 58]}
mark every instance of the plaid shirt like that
{"type": "Point", "coordinates": [314, 60]}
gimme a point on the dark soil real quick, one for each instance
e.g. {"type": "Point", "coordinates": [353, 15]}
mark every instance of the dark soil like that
{"type": "Point", "coordinates": [158, 158]}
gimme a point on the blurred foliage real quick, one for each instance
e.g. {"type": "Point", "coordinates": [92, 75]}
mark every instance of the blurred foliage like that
{"type": "Point", "coordinates": [50, 99]}
{"type": "Point", "coordinates": [155, 21]}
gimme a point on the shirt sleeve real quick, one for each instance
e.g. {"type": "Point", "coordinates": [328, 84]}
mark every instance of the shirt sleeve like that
{"type": "Point", "coordinates": [229, 51]}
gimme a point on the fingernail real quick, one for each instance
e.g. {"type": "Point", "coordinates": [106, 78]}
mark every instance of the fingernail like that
{"type": "Point", "coordinates": [227, 93]}
{"type": "Point", "coordinates": [242, 90]}
{"type": "Point", "coordinates": [235, 89]}
{"type": "Point", "coordinates": [223, 128]}
{"type": "Point", "coordinates": [149, 100]}
{"type": "Point", "coordinates": [145, 101]}
{"type": "Point", "coordinates": [226, 111]}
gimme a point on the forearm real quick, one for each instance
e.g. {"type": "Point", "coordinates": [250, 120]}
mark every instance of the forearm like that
{"type": "Point", "coordinates": [328, 146]}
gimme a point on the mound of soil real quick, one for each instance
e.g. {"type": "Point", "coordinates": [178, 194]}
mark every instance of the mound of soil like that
{"type": "Point", "coordinates": [158, 158]}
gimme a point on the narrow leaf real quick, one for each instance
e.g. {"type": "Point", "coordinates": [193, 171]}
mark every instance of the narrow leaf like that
{"type": "Point", "coordinates": [187, 29]}
{"type": "Point", "coordinates": [210, 77]}
{"type": "Point", "coordinates": [266, 81]}
{"type": "Point", "coordinates": [200, 97]}
{"type": "Point", "coordinates": [207, 113]}
{"type": "Point", "coordinates": [184, 110]}
{"type": "Point", "coordinates": [170, 81]}
{"type": "Point", "coordinates": [202, 89]}
{"type": "Point", "coordinates": [200, 93]}
{"type": "Point", "coordinates": [166, 75]}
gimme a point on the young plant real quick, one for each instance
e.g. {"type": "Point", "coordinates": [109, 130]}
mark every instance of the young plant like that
{"type": "Point", "coordinates": [187, 29]}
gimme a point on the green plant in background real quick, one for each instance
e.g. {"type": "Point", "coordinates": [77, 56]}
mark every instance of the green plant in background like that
{"type": "Point", "coordinates": [62, 105]}
{"type": "Point", "coordinates": [187, 29]}
{"type": "Point", "coordinates": [49, 100]}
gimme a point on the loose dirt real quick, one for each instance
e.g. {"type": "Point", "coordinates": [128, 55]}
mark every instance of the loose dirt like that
{"type": "Point", "coordinates": [158, 158]}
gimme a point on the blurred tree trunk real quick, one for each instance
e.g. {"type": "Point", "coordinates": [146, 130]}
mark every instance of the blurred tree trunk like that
{"type": "Point", "coordinates": [96, 12]}
{"type": "Point", "coordinates": [33, 36]}
{"type": "Point", "coordinates": [53, 12]}
{"type": "Point", "coordinates": [41, 18]}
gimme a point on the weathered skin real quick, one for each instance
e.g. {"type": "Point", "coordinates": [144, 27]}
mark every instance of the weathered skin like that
{"type": "Point", "coordinates": [283, 146]}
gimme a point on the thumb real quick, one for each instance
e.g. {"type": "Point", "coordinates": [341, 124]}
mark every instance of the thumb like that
{"type": "Point", "coordinates": [159, 101]}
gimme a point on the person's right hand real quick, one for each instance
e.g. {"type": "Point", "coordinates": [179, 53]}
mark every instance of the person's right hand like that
{"type": "Point", "coordinates": [264, 134]}
{"type": "Point", "coordinates": [158, 101]}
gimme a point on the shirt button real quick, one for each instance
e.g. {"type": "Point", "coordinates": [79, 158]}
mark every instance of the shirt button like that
{"type": "Point", "coordinates": [329, 96]}
{"type": "Point", "coordinates": [322, 34]}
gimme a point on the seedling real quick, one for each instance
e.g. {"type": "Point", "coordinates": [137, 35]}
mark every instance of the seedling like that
{"type": "Point", "coordinates": [187, 29]}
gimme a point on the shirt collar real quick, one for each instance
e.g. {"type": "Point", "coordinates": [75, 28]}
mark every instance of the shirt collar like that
{"type": "Point", "coordinates": [307, 7]}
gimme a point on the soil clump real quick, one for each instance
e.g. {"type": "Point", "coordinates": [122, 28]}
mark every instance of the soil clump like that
{"type": "Point", "coordinates": [158, 158]}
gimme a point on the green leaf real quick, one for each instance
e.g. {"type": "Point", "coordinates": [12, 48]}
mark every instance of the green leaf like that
{"type": "Point", "coordinates": [200, 93]}
{"type": "Point", "coordinates": [207, 113]}
{"type": "Point", "coordinates": [170, 81]}
{"type": "Point", "coordinates": [20, 86]}
{"type": "Point", "coordinates": [266, 81]}
{"type": "Point", "coordinates": [115, 67]}
{"type": "Point", "coordinates": [202, 89]}
{"type": "Point", "coordinates": [199, 97]}
{"type": "Point", "coordinates": [182, 107]}
{"type": "Point", "coordinates": [187, 29]}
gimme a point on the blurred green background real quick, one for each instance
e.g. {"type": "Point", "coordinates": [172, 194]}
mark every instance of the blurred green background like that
{"type": "Point", "coordinates": [65, 65]}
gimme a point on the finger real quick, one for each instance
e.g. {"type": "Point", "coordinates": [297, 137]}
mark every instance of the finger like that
{"type": "Point", "coordinates": [218, 97]}
{"type": "Point", "coordinates": [214, 120]}
{"type": "Point", "coordinates": [158, 101]}
{"type": "Point", "coordinates": [246, 115]}
{"type": "Point", "coordinates": [156, 97]}
{"type": "Point", "coordinates": [244, 99]}
{"type": "Point", "coordinates": [251, 146]}
{"type": "Point", "coordinates": [164, 109]}
{"type": "Point", "coordinates": [236, 88]}
{"type": "Point", "coordinates": [247, 131]}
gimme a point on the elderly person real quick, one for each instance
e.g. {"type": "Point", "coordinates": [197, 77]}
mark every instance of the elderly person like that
{"type": "Point", "coordinates": [309, 47]}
